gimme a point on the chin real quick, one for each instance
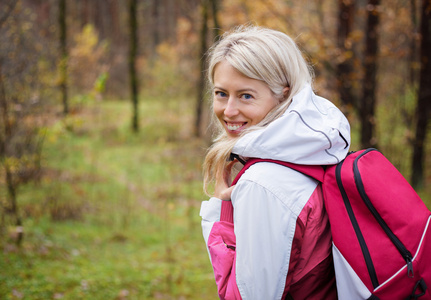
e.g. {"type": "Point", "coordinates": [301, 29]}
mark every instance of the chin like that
{"type": "Point", "coordinates": [233, 134]}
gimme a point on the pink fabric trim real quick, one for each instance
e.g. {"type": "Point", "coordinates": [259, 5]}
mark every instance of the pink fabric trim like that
{"type": "Point", "coordinates": [226, 213]}
{"type": "Point", "coordinates": [221, 246]}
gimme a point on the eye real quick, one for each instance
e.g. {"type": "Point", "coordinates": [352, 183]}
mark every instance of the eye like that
{"type": "Point", "coordinates": [220, 94]}
{"type": "Point", "coordinates": [246, 96]}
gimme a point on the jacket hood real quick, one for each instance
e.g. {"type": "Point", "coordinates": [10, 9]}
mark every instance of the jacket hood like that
{"type": "Point", "coordinates": [312, 131]}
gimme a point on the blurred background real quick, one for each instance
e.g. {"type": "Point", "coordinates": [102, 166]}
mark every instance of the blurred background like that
{"type": "Point", "coordinates": [104, 123]}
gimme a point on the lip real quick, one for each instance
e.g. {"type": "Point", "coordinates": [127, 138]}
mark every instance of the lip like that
{"type": "Point", "coordinates": [236, 131]}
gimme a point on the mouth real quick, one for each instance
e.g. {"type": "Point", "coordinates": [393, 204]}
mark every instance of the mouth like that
{"type": "Point", "coordinates": [235, 127]}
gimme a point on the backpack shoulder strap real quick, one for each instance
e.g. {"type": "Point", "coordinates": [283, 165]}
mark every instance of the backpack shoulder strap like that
{"type": "Point", "coordinates": [315, 171]}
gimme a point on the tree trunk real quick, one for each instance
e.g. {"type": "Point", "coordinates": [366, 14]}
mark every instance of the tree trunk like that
{"type": "Point", "coordinates": [201, 83]}
{"type": "Point", "coordinates": [156, 29]}
{"type": "Point", "coordinates": [423, 108]}
{"type": "Point", "coordinates": [133, 28]}
{"type": "Point", "coordinates": [369, 83]}
{"type": "Point", "coordinates": [114, 11]}
{"type": "Point", "coordinates": [214, 10]}
{"type": "Point", "coordinates": [4, 133]}
{"type": "Point", "coordinates": [344, 69]}
{"type": "Point", "coordinates": [64, 55]}
{"type": "Point", "coordinates": [12, 205]}
{"type": "Point", "coordinates": [413, 49]}
{"type": "Point", "coordinates": [85, 13]}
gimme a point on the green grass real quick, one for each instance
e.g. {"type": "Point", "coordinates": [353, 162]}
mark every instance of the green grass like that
{"type": "Point", "coordinates": [115, 214]}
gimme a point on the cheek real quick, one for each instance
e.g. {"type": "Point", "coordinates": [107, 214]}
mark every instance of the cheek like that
{"type": "Point", "coordinates": [260, 114]}
{"type": "Point", "coordinates": [217, 109]}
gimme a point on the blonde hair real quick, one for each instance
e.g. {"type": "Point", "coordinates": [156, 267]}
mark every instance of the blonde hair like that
{"type": "Point", "coordinates": [262, 54]}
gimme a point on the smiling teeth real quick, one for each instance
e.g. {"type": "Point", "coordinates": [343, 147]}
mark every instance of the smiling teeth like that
{"type": "Point", "coordinates": [233, 127]}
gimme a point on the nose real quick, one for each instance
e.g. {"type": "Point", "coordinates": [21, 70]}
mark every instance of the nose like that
{"type": "Point", "coordinates": [231, 109]}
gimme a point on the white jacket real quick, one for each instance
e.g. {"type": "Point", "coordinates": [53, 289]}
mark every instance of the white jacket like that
{"type": "Point", "coordinates": [270, 200]}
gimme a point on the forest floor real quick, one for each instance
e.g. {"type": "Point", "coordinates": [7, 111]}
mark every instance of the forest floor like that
{"type": "Point", "coordinates": [115, 214]}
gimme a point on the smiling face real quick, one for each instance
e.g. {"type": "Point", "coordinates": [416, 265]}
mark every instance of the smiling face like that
{"type": "Point", "coordinates": [239, 101]}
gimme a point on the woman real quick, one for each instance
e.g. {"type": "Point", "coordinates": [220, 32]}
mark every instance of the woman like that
{"type": "Point", "coordinates": [279, 245]}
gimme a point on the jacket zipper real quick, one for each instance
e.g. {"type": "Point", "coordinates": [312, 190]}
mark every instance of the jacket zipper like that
{"type": "Point", "coordinates": [359, 236]}
{"type": "Point", "coordinates": [407, 256]}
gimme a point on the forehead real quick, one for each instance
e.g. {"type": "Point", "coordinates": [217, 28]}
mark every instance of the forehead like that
{"type": "Point", "coordinates": [227, 77]}
{"type": "Point", "coordinates": [224, 69]}
{"type": "Point", "coordinates": [225, 73]}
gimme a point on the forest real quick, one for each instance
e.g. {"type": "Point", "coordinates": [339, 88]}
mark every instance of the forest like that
{"type": "Point", "coordinates": [105, 120]}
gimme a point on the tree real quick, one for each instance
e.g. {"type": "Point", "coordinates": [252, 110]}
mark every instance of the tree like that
{"type": "Point", "coordinates": [64, 55]}
{"type": "Point", "coordinates": [214, 10]}
{"type": "Point", "coordinates": [6, 136]}
{"type": "Point", "coordinates": [22, 110]}
{"type": "Point", "coordinates": [202, 55]}
{"type": "Point", "coordinates": [413, 48]}
{"type": "Point", "coordinates": [368, 103]}
{"type": "Point", "coordinates": [201, 83]}
{"type": "Point", "coordinates": [156, 28]}
{"type": "Point", "coordinates": [423, 107]}
{"type": "Point", "coordinates": [344, 69]}
{"type": "Point", "coordinates": [133, 50]}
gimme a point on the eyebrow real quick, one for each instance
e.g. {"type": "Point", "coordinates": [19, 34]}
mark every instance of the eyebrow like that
{"type": "Point", "coordinates": [238, 91]}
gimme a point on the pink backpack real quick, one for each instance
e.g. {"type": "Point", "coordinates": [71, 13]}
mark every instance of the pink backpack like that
{"type": "Point", "coordinates": [380, 227]}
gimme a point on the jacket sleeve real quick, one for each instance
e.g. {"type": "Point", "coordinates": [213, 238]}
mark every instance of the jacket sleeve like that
{"type": "Point", "coordinates": [264, 228]}
{"type": "Point", "coordinates": [210, 213]}
{"type": "Point", "coordinates": [251, 258]}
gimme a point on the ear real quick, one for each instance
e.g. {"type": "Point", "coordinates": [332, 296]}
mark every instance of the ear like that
{"type": "Point", "coordinates": [286, 92]}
